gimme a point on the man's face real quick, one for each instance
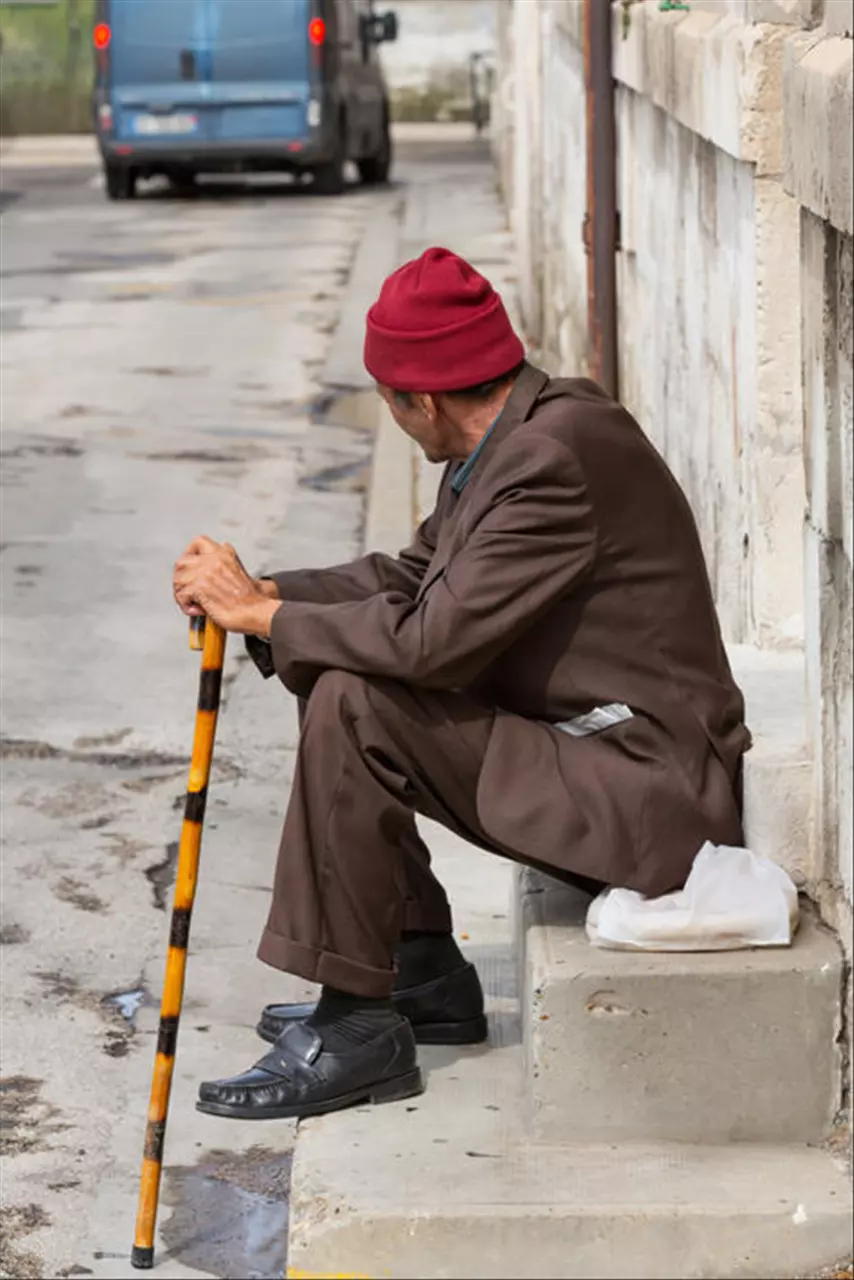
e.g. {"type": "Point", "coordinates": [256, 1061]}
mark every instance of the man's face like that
{"type": "Point", "coordinates": [420, 417]}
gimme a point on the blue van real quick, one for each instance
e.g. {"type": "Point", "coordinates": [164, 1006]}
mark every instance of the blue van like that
{"type": "Point", "coordinates": [184, 87]}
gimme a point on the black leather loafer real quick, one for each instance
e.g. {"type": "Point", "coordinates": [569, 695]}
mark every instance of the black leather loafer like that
{"type": "Point", "coordinates": [298, 1077]}
{"type": "Point", "coordinates": [448, 1010]}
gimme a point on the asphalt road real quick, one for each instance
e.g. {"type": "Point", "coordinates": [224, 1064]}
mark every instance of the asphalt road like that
{"type": "Point", "coordinates": [162, 371]}
{"type": "Point", "coordinates": [161, 366]}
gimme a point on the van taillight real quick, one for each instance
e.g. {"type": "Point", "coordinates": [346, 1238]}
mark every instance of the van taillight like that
{"type": "Point", "coordinates": [317, 31]}
{"type": "Point", "coordinates": [101, 36]}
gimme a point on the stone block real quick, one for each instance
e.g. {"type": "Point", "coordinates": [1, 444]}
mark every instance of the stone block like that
{"type": "Point", "coordinates": [787, 13]}
{"type": "Point", "coordinates": [733, 1046]}
{"type": "Point", "coordinates": [713, 69]}
{"type": "Point", "coordinates": [818, 98]}
{"type": "Point", "coordinates": [839, 17]}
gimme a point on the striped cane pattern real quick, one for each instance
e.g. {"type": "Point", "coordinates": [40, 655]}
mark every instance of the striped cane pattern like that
{"type": "Point", "coordinates": [211, 640]}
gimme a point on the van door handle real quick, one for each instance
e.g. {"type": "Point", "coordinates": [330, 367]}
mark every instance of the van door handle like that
{"type": "Point", "coordinates": [188, 64]}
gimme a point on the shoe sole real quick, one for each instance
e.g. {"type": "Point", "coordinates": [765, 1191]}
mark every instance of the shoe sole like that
{"type": "Point", "coordinates": [471, 1031]}
{"type": "Point", "coordinates": [394, 1090]}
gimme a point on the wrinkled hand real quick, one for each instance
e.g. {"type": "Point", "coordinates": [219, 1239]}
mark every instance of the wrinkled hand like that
{"type": "Point", "coordinates": [210, 579]}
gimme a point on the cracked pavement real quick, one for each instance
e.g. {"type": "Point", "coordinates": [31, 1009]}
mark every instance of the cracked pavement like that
{"type": "Point", "coordinates": [160, 370]}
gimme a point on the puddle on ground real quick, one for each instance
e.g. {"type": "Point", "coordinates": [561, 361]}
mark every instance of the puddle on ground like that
{"type": "Point", "coordinates": [45, 448]}
{"type": "Point", "coordinates": [348, 477]}
{"type": "Point", "coordinates": [230, 1214]}
{"type": "Point", "coordinates": [161, 875]}
{"type": "Point", "coordinates": [128, 1003]}
{"type": "Point", "coordinates": [346, 408]}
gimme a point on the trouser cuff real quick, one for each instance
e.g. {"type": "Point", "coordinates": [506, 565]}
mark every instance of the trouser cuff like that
{"type": "Point", "coordinates": [325, 967]}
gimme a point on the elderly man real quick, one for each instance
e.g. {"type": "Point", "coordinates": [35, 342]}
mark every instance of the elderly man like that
{"type": "Point", "coordinates": [542, 671]}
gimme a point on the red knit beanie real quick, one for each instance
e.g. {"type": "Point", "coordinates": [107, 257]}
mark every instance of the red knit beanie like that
{"type": "Point", "coordinates": [438, 325]}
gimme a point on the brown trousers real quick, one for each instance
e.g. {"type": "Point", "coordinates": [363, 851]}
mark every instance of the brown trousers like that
{"type": "Point", "coordinates": [353, 872]}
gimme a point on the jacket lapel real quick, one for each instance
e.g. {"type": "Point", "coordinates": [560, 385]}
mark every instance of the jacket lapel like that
{"type": "Point", "coordinates": [527, 389]}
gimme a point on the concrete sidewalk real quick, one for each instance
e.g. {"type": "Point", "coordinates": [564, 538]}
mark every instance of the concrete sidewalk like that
{"type": "Point", "coordinates": [49, 151]}
{"type": "Point", "coordinates": [72, 149]}
{"type": "Point", "coordinates": [486, 1175]}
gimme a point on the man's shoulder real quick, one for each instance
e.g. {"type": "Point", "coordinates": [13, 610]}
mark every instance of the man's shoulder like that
{"type": "Point", "coordinates": [581, 390]}
{"type": "Point", "coordinates": [578, 413]}
{"type": "Point", "coordinates": [578, 400]}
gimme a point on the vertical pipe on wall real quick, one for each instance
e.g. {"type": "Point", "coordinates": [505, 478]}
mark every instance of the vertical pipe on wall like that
{"type": "Point", "coordinates": [600, 230]}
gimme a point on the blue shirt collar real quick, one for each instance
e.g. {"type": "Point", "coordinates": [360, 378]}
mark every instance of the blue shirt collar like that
{"type": "Point", "coordinates": [464, 470]}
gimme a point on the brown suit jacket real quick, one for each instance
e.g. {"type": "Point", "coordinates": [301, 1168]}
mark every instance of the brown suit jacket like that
{"type": "Point", "coordinates": [566, 575]}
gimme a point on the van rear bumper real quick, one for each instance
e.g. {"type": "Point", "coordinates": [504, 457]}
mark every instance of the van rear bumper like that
{"type": "Point", "coordinates": [213, 157]}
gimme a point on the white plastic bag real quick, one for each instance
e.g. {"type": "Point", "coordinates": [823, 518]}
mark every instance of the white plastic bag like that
{"type": "Point", "coordinates": [732, 898]}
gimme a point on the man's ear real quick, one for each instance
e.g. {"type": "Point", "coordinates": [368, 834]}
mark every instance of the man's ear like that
{"type": "Point", "coordinates": [427, 404]}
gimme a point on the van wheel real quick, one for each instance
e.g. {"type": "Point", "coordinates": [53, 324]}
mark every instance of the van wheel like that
{"type": "Point", "coordinates": [119, 181]}
{"type": "Point", "coordinates": [183, 183]}
{"type": "Point", "coordinates": [329, 178]}
{"type": "Point", "coordinates": [375, 169]}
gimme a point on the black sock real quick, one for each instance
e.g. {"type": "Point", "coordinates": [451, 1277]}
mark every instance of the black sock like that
{"type": "Point", "coordinates": [344, 1020]}
{"type": "Point", "coordinates": [423, 956]}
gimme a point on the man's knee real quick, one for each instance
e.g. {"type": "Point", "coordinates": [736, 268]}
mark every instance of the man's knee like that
{"type": "Point", "coordinates": [344, 698]}
{"type": "Point", "coordinates": [337, 693]}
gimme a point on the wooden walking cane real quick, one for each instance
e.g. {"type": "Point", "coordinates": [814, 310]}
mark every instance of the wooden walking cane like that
{"type": "Point", "coordinates": [211, 640]}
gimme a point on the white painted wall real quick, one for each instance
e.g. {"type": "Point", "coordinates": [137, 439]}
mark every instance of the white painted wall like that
{"type": "Point", "coordinates": [735, 331]}
{"type": "Point", "coordinates": [564, 319]}
{"type": "Point", "coordinates": [526, 218]}
{"type": "Point", "coordinates": [827, 282]}
{"type": "Point", "coordinates": [709, 349]}
{"type": "Point", "coordinates": [688, 229]}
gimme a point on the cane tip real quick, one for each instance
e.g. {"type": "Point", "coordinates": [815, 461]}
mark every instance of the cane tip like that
{"type": "Point", "coordinates": [142, 1257]}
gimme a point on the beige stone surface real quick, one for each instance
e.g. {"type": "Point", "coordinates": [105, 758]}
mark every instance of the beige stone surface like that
{"type": "Point", "coordinates": [818, 101]}
{"type": "Point", "coordinates": [734, 334]}
{"type": "Point", "coordinates": [827, 276]}
{"type": "Point", "coordinates": [779, 769]}
{"type": "Point", "coordinates": [449, 1191]}
{"type": "Point", "coordinates": [716, 74]}
{"type": "Point", "coordinates": [647, 1032]}
{"type": "Point", "coordinates": [839, 17]}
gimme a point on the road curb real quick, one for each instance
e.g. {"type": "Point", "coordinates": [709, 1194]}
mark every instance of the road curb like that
{"type": "Point", "coordinates": [60, 152]}
{"type": "Point", "coordinates": [390, 513]}
{"type": "Point", "coordinates": [390, 504]}
{"type": "Point", "coordinates": [376, 256]}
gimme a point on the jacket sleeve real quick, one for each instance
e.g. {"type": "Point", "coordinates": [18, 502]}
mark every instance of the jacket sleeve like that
{"type": "Point", "coordinates": [528, 547]}
{"type": "Point", "coordinates": [369, 576]}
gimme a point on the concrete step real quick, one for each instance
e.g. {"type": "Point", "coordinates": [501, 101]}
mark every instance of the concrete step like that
{"type": "Point", "coordinates": [450, 1185]}
{"type": "Point", "coordinates": [730, 1046]}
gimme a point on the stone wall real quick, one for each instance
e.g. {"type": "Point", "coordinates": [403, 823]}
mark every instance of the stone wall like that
{"type": "Point", "coordinates": [734, 286]}
{"type": "Point", "coordinates": [819, 174]}
{"type": "Point", "coordinates": [827, 275]}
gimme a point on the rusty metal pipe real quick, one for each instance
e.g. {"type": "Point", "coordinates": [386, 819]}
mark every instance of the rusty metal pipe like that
{"type": "Point", "coordinates": [601, 222]}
